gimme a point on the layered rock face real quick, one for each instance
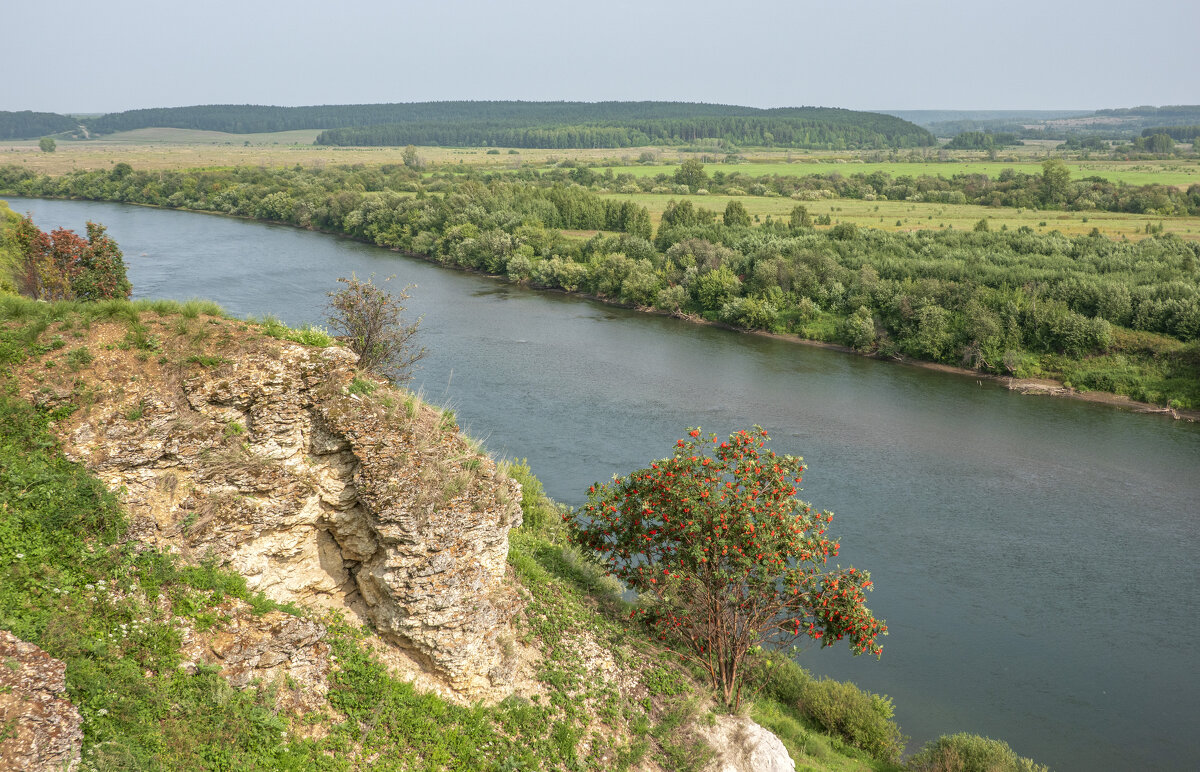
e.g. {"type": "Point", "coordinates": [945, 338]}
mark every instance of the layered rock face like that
{"type": "Point", "coordinates": [268, 464]}
{"type": "Point", "coordinates": [39, 728]}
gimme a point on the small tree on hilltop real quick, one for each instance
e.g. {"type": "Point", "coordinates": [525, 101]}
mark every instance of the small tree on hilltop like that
{"type": "Point", "coordinates": [371, 321]}
{"type": "Point", "coordinates": [724, 557]}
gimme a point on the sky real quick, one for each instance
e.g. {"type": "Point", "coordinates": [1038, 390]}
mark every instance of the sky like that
{"type": "Point", "coordinates": [96, 57]}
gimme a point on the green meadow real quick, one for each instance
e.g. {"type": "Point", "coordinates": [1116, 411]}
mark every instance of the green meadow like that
{"type": "Point", "coordinates": [910, 216]}
{"type": "Point", "coordinates": [1131, 173]}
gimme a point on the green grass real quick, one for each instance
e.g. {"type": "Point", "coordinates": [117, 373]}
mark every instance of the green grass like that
{"type": "Point", "coordinates": [309, 335]}
{"type": "Point", "coordinates": [69, 585]}
{"type": "Point", "coordinates": [9, 251]}
{"type": "Point", "coordinates": [883, 215]}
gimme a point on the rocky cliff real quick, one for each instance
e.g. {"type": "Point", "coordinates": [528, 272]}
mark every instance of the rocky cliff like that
{"type": "Point", "coordinates": [270, 458]}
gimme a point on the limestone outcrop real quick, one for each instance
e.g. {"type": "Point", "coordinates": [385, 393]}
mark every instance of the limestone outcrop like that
{"type": "Point", "coordinates": [741, 745]}
{"type": "Point", "coordinates": [39, 728]}
{"type": "Point", "coordinates": [259, 455]}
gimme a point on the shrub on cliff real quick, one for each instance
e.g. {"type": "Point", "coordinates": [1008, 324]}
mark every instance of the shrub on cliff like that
{"type": "Point", "coordinates": [61, 265]}
{"type": "Point", "coordinates": [370, 320]}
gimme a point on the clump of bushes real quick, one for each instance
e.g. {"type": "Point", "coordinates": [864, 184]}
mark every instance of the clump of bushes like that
{"type": "Point", "coordinates": [856, 717]}
{"type": "Point", "coordinates": [964, 752]}
{"type": "Point", "coordinates": [861, 718]}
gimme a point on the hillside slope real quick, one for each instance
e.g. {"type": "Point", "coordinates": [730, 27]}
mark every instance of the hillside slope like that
{"type": "Point", "coordinates": [291, 549]}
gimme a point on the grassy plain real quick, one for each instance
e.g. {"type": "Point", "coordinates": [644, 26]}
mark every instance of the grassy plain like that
{"type": "Point", "coordinates": [911, 216]}
{"type": "Point", "coordinates": [189, 149]}
{"type": "Point", "coordinates": [167, 148]}
{"type": "Point", "coordinates": [1181, 172]}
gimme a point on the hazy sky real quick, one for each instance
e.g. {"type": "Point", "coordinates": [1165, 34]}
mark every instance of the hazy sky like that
{"type": "Point", "coordinates": [75, 56]}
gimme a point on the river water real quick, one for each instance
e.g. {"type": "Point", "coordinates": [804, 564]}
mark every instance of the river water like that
{"type": "Point", "coordinates": [1035, 558]}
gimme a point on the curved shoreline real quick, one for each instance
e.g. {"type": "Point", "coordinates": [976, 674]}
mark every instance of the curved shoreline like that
{"type": "Point", "coordinates": [1030, 386]}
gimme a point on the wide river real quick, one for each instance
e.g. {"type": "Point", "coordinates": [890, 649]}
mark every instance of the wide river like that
{"type": "Point", "coordinates": [1036, 559]}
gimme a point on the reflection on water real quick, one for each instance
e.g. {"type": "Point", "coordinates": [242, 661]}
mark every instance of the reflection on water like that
{"type": "Point", "coordinates": [1034, 558]}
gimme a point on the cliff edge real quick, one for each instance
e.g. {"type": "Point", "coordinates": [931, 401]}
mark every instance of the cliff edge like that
{"type": "Point", "coordinates": [269, 457]}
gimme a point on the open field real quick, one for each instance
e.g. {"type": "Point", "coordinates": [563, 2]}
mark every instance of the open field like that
{"type": "Point", "coordinates": [911, 216]}
{"type": "Point", "coordinates": [163, 148]}
{"type": "Point", "coordinates": [168, 136]}
{"type": "Point", "coordinates": [170, 149]}
{"type": "Point", "coordinates": [1181, 173]}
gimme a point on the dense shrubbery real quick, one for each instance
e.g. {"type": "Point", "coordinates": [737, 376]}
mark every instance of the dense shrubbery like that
{"type": "Point", "coordinates": [1010, 302]}
{"type": "Point", "coordinates": [863, 719]}
{"type": "Point", "coordinates": [965, 752]}
{"type": "Point", "coordinates": [859, 718]}
{"type": "Point", "coordinates": [62, 266]}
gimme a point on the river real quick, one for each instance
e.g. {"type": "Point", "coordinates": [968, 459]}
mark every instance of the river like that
{"type": "Point", "coordinates": [1035, 558]}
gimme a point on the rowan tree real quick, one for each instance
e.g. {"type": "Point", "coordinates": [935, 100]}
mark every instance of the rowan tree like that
{"type": "Point", "coordinates": [724, 557]}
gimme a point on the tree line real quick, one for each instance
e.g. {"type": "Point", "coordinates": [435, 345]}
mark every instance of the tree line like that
{"type": "Point", "coordinates": [520, 124]}
{"type": "Point", "coordinates": [982, 140]}
{"type": "Point", "coordinates": [1011, 302]}
{"type": "Point", "coordinates": [836, 130]}
{"type": "Point", "coordinates": [30, 125]}
{"type": "Point", "coordinates": [1178, 133]}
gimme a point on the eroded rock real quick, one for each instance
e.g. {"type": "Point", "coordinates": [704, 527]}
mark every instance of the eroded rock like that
{"type": "Point", "coordinates": [39, 727]}
{"type": "Point", "coordinates": [277, 650]}
{"type": "Point", "coordinates": [269, 465]}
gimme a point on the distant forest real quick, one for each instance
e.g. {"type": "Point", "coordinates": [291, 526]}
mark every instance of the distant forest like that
{"type": "Point", "coordinates": [524, 124]}
{"type": "Point", "coordinates": [799, 128]}
{"type": "Point", "coordinates": [1177, 133]}
{"type": "Point", "coordinates": [30, 125]}
{"type": "Point", "coordinates": [1123, 123]}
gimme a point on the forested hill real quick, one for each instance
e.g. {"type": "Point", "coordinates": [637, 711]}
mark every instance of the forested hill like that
{"type": "Point", "coordinates": [540, 124]}
{"type": "Point", "coordinates": [28, 125]}
{"type": "Point", "coordinates": [804, 127]}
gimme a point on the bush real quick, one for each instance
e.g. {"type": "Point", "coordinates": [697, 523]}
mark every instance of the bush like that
{"type": "Point", "coordinates": [965, 752]}
{"type": "Point", "coordinates": [861, 718]}
{"type": "Point", "coordinates": [370, 320]}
